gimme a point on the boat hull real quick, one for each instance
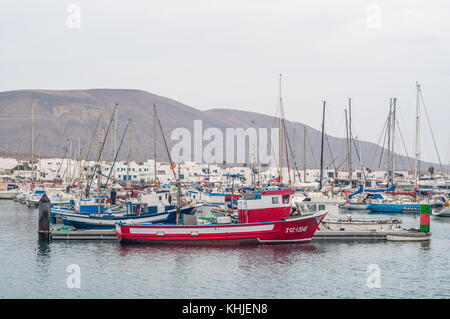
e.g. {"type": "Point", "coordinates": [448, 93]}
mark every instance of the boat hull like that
{"type": "Point", "coordinates": [292, 230]}
{"type": "Point", "coordinates": [93, 221]}
{"type": "Point", "coordinates": [393, 208]}
{"type": "Point", "coordinates": [443, 213]}
{"type": "Point", "coordinates": [355, 206]}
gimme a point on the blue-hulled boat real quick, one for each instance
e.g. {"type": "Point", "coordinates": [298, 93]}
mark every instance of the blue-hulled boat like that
{"type": "Point", "coordinates": [393, 208]}
{"type": "Point", "coordinates": [135, 213]}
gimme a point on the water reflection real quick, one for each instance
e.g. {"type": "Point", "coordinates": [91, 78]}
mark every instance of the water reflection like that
{"type": "Point", "coordinates": [278, 250]}
{"type": "Point", "coordinates": [425, 245]}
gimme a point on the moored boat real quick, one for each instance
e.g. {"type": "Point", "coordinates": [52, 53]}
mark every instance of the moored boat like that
{"type": "Point", "coordinates": [264, 218]}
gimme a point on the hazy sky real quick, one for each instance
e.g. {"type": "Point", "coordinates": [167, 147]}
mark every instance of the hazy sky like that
{"type": "Point", "coordinates": [229, 53]}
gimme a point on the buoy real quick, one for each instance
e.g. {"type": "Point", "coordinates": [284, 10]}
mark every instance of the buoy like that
{"type": "Point", "coordinates": [425, 212]}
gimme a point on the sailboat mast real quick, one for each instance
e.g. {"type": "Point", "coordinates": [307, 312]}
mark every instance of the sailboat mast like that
{"type": "Point", "coordinates": [304, 153]}
{"type": "Point", "coordinates": [350, 141]}
{"type": "Point", "coordinates": [321, 147]}
{"type": "Point", "coordinates": [417, 146]}
{"type": "Point", "coordinates": [348, 146]}
{"type": "Point", "coordinates": [178, 194]}
{"type": "Point", "coordinates": [154, 142]}
{"type": "Point", "coordinates": [389, 131]}
{"type": "Point", "coordinates": [294, 154]}
{"type": "Point", "coordinates": [32, 142]}
{"type": "Point", "coordinates": [115, 136]}
{"type": "Point", "coordinates": [281, 148]}
{"type": "Point", "coordinates": [129, 154]}
{"type": "Point", "coordinates": [394, 102]}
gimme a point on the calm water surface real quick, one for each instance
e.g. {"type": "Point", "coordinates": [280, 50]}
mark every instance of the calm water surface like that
{"type": "Point", "coordinates": [315, 270]}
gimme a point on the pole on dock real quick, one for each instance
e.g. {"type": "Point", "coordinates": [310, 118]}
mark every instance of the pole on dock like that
{"type": "Point", "coordinates": [44, 218]}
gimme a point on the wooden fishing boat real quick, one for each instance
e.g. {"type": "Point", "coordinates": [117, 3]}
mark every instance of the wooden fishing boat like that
{"type": "Point", "coordinates": [264, 218]}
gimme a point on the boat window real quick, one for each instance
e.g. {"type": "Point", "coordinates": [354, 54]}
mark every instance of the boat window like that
{"type": "Point", "coordinates": [312, 207]}
{"type": "Point", "coordinates": [275, 200]}
{"type": "Point", "coordinates": [285, 199]}
{"type": "Point", "coordinates": [321, 207]}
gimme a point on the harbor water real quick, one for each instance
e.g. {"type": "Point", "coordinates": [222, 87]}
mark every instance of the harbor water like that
{"type": "Point", "coordinates": [320, 269]}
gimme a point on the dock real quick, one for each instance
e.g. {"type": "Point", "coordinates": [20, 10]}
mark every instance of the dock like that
{"type": "Point", "coordinates": [397, 235]}
{"type": "Point", "coordinates": [109, 234]}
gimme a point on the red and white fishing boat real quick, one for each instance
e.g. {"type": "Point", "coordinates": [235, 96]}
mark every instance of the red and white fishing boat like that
{"type": "Point", "coordinates": [264, 218]}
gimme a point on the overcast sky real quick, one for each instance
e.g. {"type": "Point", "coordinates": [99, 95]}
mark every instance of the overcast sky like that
{"type": "Point", "coordinates": [229, 53]}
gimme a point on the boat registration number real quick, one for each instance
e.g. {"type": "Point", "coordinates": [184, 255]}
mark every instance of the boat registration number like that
{"type": "Point", "coordinates": [296, 229]}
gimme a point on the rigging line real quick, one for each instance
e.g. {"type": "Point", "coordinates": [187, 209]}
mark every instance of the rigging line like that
{"type": "Point", "coordinates": [68, 159]}
{"type": "Point", "coordinates": [311, 150]}
{"type": "Point", "coordinates": [287, 157]}
{"type": "Point", "coordinates": [329, 150]}
{"type": "Point", "coordinates": [103, 145]}
{"type": "Point", "coordinates": [403, 142]}
{"type": "Point", "coordinates": [80, 155]}
{"type": "Point", "coordinates": [89, 149]}
{"type": "Point", "coordinates": [382, 149]}
{"type": "Point", "coordinates": [378, 144]}
{"type": "Point", "coordinates": [167, 149]}
{"type": "Point", "coordinates": [290, 148]}
{"type": "Point", "coordinates": [117, 153]}
{"type": "Point", "coordinates": [60, 165]}
{"type": "Point", "coordinates": [273, 154]}
{"type": "Point", "coordinates": [359, 158]}
{"type": "Point", "coordinates": [431, 130]}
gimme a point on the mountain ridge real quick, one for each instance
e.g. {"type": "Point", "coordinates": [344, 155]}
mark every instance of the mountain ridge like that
{"type": "Point", "coordinates": [63, 114]}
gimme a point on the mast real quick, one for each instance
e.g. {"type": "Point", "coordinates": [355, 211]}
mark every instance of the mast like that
{"type": "Point", "coordinates": [252, 156]}
{"type": "Point", "coordinates": [99, 191]}
{"type": "Point", "coordinates": [32, 143]}
{"type": "Point", "coordinates": [321, 147]}
{"type": "Point", "coordinates": [154, 142]}
{"type": "Point", "coordinates": [350, 141]}
{"type": "Point", "coordinates": [417, 146]}
{"type": "Point", "coordinates": [115, 136]}
{"type": "Point", "coordinates": [281, 148]}
{"type": "Point", "coordinates": [304, 153]}
{"type": "Point", "coordinates": [178, 194]}
{"type": "Point", "coordinates": [389, 130]}
{"type": "Point", "coordinates": [128, 156]}
{"type": "Point", "coordinates": [294, 153]}
{"type": "Point", "coordinates": [348, 146]}
{"type": "Point", "coordinates": [39, 155]}
{"type": "Point", "coordinates": [394, 102]}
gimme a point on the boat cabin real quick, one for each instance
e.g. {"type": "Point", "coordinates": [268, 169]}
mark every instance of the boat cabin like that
{"type": "Point", "coordinates": [265, 206]}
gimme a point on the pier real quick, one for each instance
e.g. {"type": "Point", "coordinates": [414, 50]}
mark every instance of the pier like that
{"type": "Point", "coordinates": [397, 235]}
{"type": "Point", "coordinates": [109, 234]}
